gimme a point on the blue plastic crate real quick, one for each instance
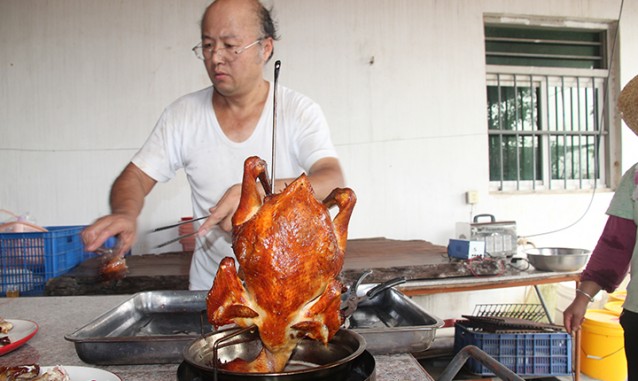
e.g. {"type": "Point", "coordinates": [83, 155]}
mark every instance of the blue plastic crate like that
{"type": "Point", "coordinates": [28, 260]}
{"type": "Point", "coordinates": [526, 354]}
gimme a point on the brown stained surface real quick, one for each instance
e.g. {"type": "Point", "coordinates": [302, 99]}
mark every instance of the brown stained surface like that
{"type": "Point", "coordinates": [388, 258]}
{"type": "Point", "coordinates": [167, 271]}
{"type": "Point", "coordinates": [384, 253]}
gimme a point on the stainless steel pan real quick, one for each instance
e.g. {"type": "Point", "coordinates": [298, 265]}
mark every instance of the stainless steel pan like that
{"type": "Point", "coordinates": [311, 359]}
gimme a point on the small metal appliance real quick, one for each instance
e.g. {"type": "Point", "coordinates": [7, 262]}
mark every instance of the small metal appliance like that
{"type": "Point", "coordinates": [499, 236]}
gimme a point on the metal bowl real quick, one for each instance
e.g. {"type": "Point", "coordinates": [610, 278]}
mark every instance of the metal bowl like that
{"type": "Point", "coordinates": [557, 258]}
{"type": "Point", "coordinates": [311, 360]}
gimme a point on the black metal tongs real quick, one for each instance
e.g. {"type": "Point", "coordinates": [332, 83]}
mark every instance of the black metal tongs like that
{"type": "Point", "coordinates": [352, 299]}
{"type": "Point", "coordinates": [176, 225]}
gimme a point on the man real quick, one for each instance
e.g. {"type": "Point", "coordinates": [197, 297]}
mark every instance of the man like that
{"type": "Point", "coordinates": [211, 132]}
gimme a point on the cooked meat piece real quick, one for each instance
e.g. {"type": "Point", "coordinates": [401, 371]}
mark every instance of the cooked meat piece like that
{"type": "Point", "coordinates": [56, 373]}
{"type": "Point", "coordinates": [5, 326]}
{"type": "Point", "coordinates": [113, 269]}
{"type": "Point", "coordinates": [22, 372]}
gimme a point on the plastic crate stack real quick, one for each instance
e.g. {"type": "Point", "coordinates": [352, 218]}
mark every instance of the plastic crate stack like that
{"type": "Point", "coordinates": [526, 354]}
{"type": "Point", "coordinates": [28, 260]}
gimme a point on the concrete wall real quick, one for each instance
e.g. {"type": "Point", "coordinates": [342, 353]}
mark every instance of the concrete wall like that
{"type": "Point", "coordinates": [82, 83]}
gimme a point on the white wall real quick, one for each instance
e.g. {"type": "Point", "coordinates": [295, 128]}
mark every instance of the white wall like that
{"type": "Point", "coordinates": [82, 83]}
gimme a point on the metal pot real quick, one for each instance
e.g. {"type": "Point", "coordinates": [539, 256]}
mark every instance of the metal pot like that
{"type": "Point", "coordinates": [362, 370]}
{"type": "Point", "coordinates": [557, 258]}
{"type": "Point", "coordinates": [311, 360]}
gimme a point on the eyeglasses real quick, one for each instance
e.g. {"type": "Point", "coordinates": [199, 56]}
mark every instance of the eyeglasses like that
{"type": "Point", "coordinates": [205, 51]}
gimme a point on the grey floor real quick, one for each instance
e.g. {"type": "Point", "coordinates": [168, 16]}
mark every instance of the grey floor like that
{"type": "Point", "coordinates": [583, 377]}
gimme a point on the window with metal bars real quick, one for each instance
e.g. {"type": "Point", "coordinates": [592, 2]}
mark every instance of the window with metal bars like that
{"type": "Point", "coordinates": [545, 95]}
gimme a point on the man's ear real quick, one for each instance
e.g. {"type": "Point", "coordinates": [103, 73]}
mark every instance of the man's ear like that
{"type": "Point", "coordinates": [267, 48]}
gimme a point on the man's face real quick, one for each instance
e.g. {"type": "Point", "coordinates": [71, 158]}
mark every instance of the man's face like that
{"type": "Point", "coordinates": [236, 52]}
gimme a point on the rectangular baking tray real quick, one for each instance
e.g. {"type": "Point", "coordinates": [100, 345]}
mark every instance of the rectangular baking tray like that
{"type": "Point", "coordinates": [392, 323]}
{"type": "Point", "coordinates": [153, 327]}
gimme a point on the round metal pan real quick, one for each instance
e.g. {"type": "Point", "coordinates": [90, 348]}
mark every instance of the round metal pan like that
{"type": "Point", "coordinates": [311, 360]}
{"type": "Point", "coordinates": [363, 369]}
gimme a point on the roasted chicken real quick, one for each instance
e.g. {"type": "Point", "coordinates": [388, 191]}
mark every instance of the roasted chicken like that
{"type": "Point", "coordinates": [290, 253]}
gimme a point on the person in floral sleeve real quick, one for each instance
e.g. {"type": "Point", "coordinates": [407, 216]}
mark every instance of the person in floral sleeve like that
{"type": "Point", "coordinates": [615, 252]}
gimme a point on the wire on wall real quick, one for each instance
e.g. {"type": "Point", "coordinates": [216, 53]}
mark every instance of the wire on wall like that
{"type": "Point", "coordinates": [596, 148]}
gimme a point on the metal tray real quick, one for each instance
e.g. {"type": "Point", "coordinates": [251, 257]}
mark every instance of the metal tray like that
{"type": "Point", "coordinates": [153, 327]}
{"type": "Point", "coordinates": [392, 323]}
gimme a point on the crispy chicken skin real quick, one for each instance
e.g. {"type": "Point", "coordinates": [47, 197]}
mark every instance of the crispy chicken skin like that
{"type": "Point", "coordinates": [291, 253]}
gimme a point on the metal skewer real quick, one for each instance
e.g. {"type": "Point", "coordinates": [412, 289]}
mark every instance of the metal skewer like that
{"type": "Point", "coordinates": [176, 239]}
{"type": "Point", "coordinates": [274, 127]}
{"type": "Point", "coordinates": [272, 173]}
{"type": "Point", "coordinates": [178, 224]}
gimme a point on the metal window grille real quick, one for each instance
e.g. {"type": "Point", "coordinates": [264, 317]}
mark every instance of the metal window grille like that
{"type": "Point", "coordinates": [545, 96]}
{"type": "Point", "coordinates": [545, 131]}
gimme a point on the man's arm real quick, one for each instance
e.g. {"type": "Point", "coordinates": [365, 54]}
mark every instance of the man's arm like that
{"type": "Point", "coordinates": [324, 175]}
{"type": "Point", "coordinates": [129, 190]}
{"type": "Point", "coordinates": [126, 200]}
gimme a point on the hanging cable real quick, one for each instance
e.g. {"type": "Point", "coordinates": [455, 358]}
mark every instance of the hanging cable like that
{"type": "Point", "coordinates": [596, 145]}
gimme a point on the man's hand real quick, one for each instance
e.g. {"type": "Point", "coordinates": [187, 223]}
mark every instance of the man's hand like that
{"type": "Point", "coordinates": [126, 199]}
{"type": "Point", "coordinates": [324, 175]}
{"type": "Point", "coordinates": [222, 213]}
{"type": "Point", "coordinates": [120, 225]}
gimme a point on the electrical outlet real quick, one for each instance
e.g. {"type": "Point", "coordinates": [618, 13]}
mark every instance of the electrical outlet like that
{"type": "Point", "coordinates": [471, 197]}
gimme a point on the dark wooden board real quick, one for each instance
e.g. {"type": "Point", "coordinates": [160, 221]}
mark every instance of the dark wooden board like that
{"type": "Point", "coordinates": [148, 272]}
{"type": "Point", "coordinates": [387, 258]}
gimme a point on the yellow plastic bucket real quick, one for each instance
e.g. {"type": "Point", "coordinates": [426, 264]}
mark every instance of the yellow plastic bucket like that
{"type": "Point", "coordinates": [614, 306]}
{"type": "Point", "coordinates": [618, 295]}
{"type": "Point", "coordinates": [602, 346]}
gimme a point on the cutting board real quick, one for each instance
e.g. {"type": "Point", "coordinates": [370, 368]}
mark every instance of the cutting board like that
{"type": "Point", "coordinates": [387, 258]}
{"type": "Point", "coordinates": [413, 259]}
{"type": "Point", "coordinates": [384, 253]}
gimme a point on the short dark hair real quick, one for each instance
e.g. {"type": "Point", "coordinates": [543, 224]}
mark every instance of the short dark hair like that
{"type": "Point", "coordinates": [268, 26]}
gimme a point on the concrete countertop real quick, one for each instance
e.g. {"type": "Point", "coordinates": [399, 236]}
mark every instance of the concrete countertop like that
{"type": "Point", "coordinates": [59, 316]}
